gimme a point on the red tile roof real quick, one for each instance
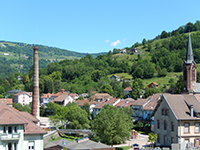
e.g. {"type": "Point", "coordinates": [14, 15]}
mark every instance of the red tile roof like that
{"type": "Point", "coordinates": [48, 95]}
{"type": "Point", "coordinates": [7, 101]}
{"type": "Point", "coordinates": [8, 115]}
{"type": "Point", "coordinates": [128, 89]}
{"type": "Point", "coordinates": [110, 101]}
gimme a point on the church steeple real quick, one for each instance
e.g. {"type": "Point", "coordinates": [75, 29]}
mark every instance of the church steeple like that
{"type": "Point", "coordinates": [189, 69]}
{"type": "Point", "coordinates": [189, 55]}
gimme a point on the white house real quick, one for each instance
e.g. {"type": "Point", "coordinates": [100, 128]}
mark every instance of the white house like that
{"type": "Point", "coordinates": [18, 130]}
{"type": "Point", "coordinates": [45, 98]}
{"type": "Point", "coordinates": [23, 98]}
{"type": "Point", "coordinates": [63, 99]}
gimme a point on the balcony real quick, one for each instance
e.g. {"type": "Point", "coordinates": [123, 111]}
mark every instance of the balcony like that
{"type": "Point", "coordinates": [6, 137]}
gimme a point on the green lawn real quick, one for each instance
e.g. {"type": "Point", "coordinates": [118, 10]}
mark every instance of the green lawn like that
{"type": "Point", "coordinates": [123, 148]}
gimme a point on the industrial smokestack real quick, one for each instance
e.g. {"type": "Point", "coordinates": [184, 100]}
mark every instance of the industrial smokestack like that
{"type": "Point", "coordinates": [35, 102]}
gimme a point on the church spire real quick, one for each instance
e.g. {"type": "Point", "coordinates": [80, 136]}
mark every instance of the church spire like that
{"type": "Point", "coordinates": [189, 55]}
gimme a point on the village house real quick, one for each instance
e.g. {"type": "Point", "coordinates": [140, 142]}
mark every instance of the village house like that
{"type": "Point", "coordinates": [63, 99]}
{"type": "Point", "coordinates": [115, 77]}
{"type": "Point", "coordinates": [100, 105]}
{"type": "Point", "coordinates": [45, 98]}
{"type": "Point", "coordinates": [137, 107]}
{"type": "Point", "coordinates": [7, 101]}
{"type": "Point", "coordinates": [15, 91]}
{"type": "Point", "coordinates": [92, 104]}
{"type": "Point", "coordinates": [153, 85]}
{"type": "Point", "coordinates": [177, 119]}
{"type": "Point", "coordinates": [100, 97]}
{"type": "Point", "coordinates": [123, 51]}
{"type": "Point", "coordinates": [149, 108]}
{"type": "Point", "coordinates": [18, 130]}
{"type": "Point", "coordinates": [124, 103]}
{"type": "Point", "coordinates": [23, 98]}
{"type": "Point", "coordinates": [74, 96]}
{"type": "Point", "coordinates": [127, 91]}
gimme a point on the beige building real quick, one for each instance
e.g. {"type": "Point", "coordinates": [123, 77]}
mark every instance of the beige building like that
{"type": "Point", "coordinates": [177, 120]}
{"type": "Point", "coordinates": [23, 98]}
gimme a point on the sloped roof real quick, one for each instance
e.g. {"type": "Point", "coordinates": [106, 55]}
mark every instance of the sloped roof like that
{"type": "Point", "coordinates": [8, 115]}
{"type": "Point", "coordinates": [60, 98]}
{"type": "Point", "coordinates": [189, 55]}
{"type": "Point", "coordinates": [179, 104]}
{"type": "Point", "coordinates": [48, 95]}
{"type": "Point", "coordinates": [124, 103]}
{"type": "Point", "coordinates": [7, 101]}
{"type": "Point", "coordinates": [101, 96]}
{"type": "Point", "coordinates": [140, 102]}
{"type": "Point", "coordinates": [128, 89]}
{"type": "Point", "coordinates": [110, 101]}
{"type": "Point", "coordinates": [27, 93]}
{"type": "Point", "coordinates": [153, 103]}
{"type": "Point", "coordinates": [28, 116]}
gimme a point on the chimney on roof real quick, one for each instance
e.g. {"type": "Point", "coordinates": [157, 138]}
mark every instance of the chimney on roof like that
{"type": "Point", "coordinates": [35, 102]}
{"type": "Point", "coordinates": [191, 111]}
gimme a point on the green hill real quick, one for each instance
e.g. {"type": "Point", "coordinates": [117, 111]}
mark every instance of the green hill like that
{"type": "Point", "coordinates": [19, 56]}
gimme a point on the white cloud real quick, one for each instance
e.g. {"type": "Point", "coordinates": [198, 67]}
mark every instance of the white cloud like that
{"type": "Point", "coordinates": [124, 40]}
{"type": "Point", "coordinates": [107, 41]}
{"type": "Point", "coordinates": [115, 43]}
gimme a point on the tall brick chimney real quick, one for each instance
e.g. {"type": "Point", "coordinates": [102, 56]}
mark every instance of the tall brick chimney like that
{"type": "Point", "coordinates": [35, 101]}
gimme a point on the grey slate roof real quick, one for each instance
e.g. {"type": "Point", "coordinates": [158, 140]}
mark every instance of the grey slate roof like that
{"type": "Point", "coordinates": [189, 55]}
{"type": "Point", "coordinates": [86, 145]}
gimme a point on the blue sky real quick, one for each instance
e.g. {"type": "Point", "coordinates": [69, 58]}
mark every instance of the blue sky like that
{"type": "Point", "coordinates": [92, 26]}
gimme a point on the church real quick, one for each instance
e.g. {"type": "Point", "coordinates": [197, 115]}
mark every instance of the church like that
{"type": "Point", "coordinates": [189, 71]}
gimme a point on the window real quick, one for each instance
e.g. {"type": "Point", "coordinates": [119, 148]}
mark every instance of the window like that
{"type": "Point", "coordinates": [186, 141]}
{"type": "Point", "coordinates": [15, 146]}
{"type": "Point", "coordinates": [172, 126]}
{"type": "Point", "coordinates": [4, 129]}
{"type": "Point", "coordinates": [9, 146]}
{"type": "Point", "coordinates": [196, 127]}
{"type": "Point", "coordinates": [10, 130]}
{"type": "Point", "coordinates": [166, 112]}
{"type": "Point", "coordinates": [15, 129]}
{"type": "Point", "coordinates": [158, 124]}
{"type": "Point", "coordinates": [31, 145]}
{"type": "Point", "coordinates": [165, 125]}
{"type": "Point", "coordinates": [163, 111]}
{"type": "Point", "coordinates": [185, 75]}
{"type": "Point", "coordinates": [158, 138]}
{"type": "Point", "coordinates": [172, 140]}
{"type": "Point", "coordinates": [186, 128]}
{"type": "Point", "coordinates": [165, 139]}
{"type": "Point", "coordinates": [193, 75]}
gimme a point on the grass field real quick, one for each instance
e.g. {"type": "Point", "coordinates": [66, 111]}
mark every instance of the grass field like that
{"type": "Point", "coordinates": [123, 148]}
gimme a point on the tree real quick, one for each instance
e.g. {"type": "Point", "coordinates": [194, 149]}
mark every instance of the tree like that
{"type": "Point", "coordinates": [152, 138]}
{"type": "Point", "coordinates": [111, 126]}
{"type": "Point", "coordinates": [151, 91]}
{"type": "Point", "coordinates": [106, 88]}
{"type": "Point", "coordinates": [144, 42]}
{"type": "Point", "coordinates": [59, 119]}
{"type": "Point", "coordinates": [86, 107]}
{"type": "Point", "coordinates": [77, 117]}
{"type": "Point", "coordinates": [135, 90]}
{"type": "Point", "coordinates": [26, 79]}
{"type": "Point", "coordinates": [179, 85]}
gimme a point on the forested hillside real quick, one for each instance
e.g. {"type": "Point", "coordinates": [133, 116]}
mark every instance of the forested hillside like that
{"type": "Point", "coordinates": [19, 56]}
{"type": "Point", "coordinates": [154, 59]}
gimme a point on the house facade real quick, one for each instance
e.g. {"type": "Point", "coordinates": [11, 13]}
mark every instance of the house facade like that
{"type": "Point", "coordinates": [18, 131]}
{"type": "Point", "coordinates": [63, 99]}
{"type": "Point", "coordinates": [100, 105]}
{"type": "Point", "coordinates": [115, 77]}
{"type": "Point", "coordinates": [177, 120]}
{"type": "Point", "coordinates": [23, 98]}
{"type": "Point", "coordinates": [45, 98]}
